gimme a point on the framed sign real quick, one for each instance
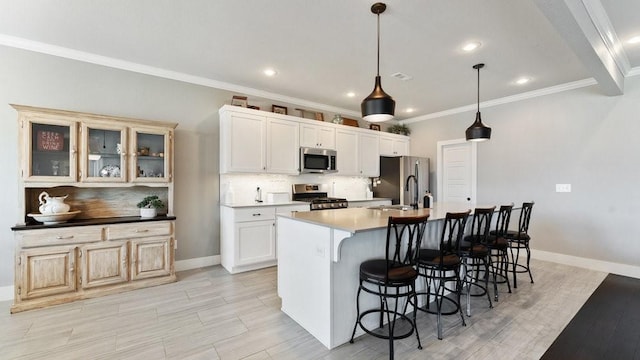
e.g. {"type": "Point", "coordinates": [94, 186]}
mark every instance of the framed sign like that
{"type": "Point", "coordinates": [49, 141]}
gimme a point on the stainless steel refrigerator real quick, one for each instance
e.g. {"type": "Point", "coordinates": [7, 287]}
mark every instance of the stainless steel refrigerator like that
{"type": "Point", "coordinates": [395, 173]}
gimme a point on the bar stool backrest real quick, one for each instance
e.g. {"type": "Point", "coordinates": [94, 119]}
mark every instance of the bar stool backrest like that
{"type": "Point", "coordinates": [404, 237]}
{"type": "Point", "coordinates": [525, 217]}
{"type": "Point", "coordinates": [504, 216]}
{"type": "Point", "coordinates": [481, 225]}
{"type": "Point", "coordinates": [452, 232]}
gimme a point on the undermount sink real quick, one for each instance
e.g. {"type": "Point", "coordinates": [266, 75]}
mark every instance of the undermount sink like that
{"type": "Point", "coordinates": [390, 207]}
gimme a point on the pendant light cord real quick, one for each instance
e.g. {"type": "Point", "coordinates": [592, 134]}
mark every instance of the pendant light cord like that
{"type": "Point", "coordinates": [478, 89]}
{"type": "Point", "coordinates": [378, 69]}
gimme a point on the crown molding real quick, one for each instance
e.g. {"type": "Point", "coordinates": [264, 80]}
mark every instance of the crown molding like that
{"type": "Point", "coordinates": [63, 52]}
{"type": "Point", "coordinates": [506, 100]}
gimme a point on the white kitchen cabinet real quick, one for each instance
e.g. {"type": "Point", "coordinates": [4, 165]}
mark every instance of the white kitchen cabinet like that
{"type": "Point", "coordinates": [248, 236]}
{"type": "Point", "coordinates": [368, 155]}
{"type": "Point", "coordinates": [391, 145]}
{"type": "Point", "coordinates": [242, 142]}
{"type": "Point", "coordinates": [282, 147]}
{"type": "Point", "coordinates": [358, 153]}
{"type": "Point", "coordinates": [251, 143]}
{"type": "Point", "coordinates": [317, 136]}
{"type": "Point", "coordinates": [347, 150]}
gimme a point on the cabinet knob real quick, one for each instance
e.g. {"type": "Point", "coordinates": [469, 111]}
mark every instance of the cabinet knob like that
{"type": "Point", "coordinates": [141, 230]}
{"type": "Point", "coordinates": [61, 237]}
{"type": "Point", "coordinates": [258, 214]}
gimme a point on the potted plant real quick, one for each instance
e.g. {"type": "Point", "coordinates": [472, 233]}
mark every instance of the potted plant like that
{"type": "Point", "coordinates": [401, 129]}
{"type": "Point", "coordinates": [149, 206]}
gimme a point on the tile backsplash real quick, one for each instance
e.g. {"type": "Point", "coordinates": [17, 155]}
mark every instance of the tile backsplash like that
{"type": "Point", "coordinates": [242, 187]}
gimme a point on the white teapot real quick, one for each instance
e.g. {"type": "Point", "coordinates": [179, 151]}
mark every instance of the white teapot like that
{"type": "Point", "coordinates": [52, 204]}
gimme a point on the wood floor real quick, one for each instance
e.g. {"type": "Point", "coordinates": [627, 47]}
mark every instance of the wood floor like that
{"type": "Point", "coordinates": [209, 314]}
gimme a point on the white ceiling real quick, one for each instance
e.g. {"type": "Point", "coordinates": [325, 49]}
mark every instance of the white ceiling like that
{"type": "Point", "coordinates": [323, 49]}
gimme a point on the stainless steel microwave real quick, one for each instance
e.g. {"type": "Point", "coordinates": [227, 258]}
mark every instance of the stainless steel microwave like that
{"type": "Point", "coordinates": [319, 161]}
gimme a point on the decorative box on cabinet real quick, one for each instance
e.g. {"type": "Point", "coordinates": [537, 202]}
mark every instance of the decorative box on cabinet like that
{"type": "Point", "coordinates": [248, 236]}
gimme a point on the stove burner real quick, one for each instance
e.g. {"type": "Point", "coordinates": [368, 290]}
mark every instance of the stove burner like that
{"type": "Point", "coordinates": [317, 198]}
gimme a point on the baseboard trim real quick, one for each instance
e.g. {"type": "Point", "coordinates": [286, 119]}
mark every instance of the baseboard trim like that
{"type": "Point", "coordinates": [6, 293]}
{"type": "Point", "coordinates": [586, 263]}
{"type": "Point", "coordinates": [182, 265]}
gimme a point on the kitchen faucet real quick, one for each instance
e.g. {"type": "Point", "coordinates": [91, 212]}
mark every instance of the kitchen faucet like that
{"type": "Point", "coordinates": [415, 181]}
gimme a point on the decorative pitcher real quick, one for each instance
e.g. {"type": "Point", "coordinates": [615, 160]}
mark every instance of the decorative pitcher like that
{"type": "Point", "coordinates": [52, 204]}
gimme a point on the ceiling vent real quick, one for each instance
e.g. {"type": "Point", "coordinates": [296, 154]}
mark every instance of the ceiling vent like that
{"type": "Point", "coordinates": [401, 76]}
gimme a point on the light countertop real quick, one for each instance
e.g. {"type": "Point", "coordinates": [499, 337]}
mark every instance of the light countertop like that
{"type": "Point", "coordinates": [363, 219]}
{"type": "Point", "coordinates": [256, 204]}
{"type": "Point", "coordinates": [288, 203]}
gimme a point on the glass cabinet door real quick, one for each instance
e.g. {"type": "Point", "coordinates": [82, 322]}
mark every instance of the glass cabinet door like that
{"type": "Point", "coordinates": [150, 155]}
{"type": "Point", "coordinates": [50, 151]}
{"type": "Point", "coordinates": [103, 153]}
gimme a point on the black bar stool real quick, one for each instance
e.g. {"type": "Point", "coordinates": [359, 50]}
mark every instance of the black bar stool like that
{"type": "Point", "coordinates": [520, 240]}
{"type": "Point", "coordinates": [474, 252]}
{"type": "Point", "coordinates": [442, 265]}
{"type": "Point", "coordinates": [393, 278]}
{"type": "Point", "coordinates": [498, 246]}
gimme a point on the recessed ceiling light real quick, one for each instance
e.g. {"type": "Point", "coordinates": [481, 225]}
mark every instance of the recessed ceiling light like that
{"type": "Point", "coordinates": [634, 40]}
{"type": "Point", "coordinates": [470, 46]}
{"type": "Point", "coordinates": [351, 94]}
{"type": "Point", "coordinates": [270, 72]}
{"type": "Point", "coordinates": [523, 80]}
{"type": "Point", "coordinates": [410, 110]}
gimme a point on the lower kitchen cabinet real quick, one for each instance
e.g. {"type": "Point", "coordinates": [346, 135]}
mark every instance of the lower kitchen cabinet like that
{"type": "Point", "coordinates": [63, 264]}
{"type": "Point", "coordinates": [248, 236]}
{"type": "Point", "coordinates": [105, 263]}
{"type": "Point", "coordinates": [46, 272]}
{"type": "Point", "coordinates": [151, 258]}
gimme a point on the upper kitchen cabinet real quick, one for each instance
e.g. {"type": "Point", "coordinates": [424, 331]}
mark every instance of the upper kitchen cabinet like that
{"type": "Point", "coordinates": [394, 145]}
{"type": "Point", "coordinates": [251, 142]}
{"type": "Point", "coordinates": [317, 136]}
{"type": "Point", "coordinates": [150, 158]}
{"type": "Point", "coordinates": [102, 156]}
{"type": "Point", "coordinates": [48, 147]}
{"type": "Point", "coordinates": [358, 153]}
{"type": "Point", "coordinates": [64, 147]}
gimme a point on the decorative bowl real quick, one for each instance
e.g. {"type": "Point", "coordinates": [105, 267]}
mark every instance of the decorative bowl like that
{"type": "Point", "coordinates": [49, 219]}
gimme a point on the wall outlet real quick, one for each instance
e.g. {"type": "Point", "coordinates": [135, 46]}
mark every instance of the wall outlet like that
{"type": "Point", "coordinates": [563, 187]}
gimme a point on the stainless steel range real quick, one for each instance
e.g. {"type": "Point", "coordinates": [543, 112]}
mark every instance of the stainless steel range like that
{"type": "Point", "coordinates": [316, 196]}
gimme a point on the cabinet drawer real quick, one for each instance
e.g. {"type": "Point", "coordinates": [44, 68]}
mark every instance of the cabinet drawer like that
{"type": "Point", "coordinates": [255, 214]}
{"type": "Point", "coordinates": [137, 230]}
{"type": "Point", "coordinates": [61, 236]}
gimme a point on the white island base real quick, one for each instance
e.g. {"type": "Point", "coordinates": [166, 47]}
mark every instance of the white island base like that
{"type": "Point", "coordinates": [319, 256]}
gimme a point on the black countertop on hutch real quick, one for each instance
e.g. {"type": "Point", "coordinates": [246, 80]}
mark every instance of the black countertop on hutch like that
{"type": "Point", "coordinates": [97, 221]}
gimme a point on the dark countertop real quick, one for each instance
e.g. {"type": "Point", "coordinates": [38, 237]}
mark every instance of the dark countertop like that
{"type": "Point", "coordinates": [86, 222]}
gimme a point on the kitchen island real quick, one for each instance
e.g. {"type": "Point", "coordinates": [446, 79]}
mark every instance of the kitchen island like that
{"type": "Point", "coordinates": [319, 256]}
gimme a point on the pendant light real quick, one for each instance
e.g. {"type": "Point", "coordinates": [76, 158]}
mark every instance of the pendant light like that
{"type": "Point", "coordinates": [378, 106]}
{"type": "Point", "coordinates": [478, 131]}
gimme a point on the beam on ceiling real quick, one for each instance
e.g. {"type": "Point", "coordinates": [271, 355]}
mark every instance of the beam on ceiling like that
{"type": "Point", "coordinates": [585, 26]}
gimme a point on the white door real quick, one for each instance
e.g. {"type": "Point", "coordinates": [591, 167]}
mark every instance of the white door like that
{"type": "Point", "coordinates": [457, 171]}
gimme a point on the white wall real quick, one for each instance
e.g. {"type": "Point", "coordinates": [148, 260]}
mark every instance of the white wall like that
{"type": "Point", "coordinates": [40, 80]}
{"type": "Point", "coordinates": [579, 137]}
